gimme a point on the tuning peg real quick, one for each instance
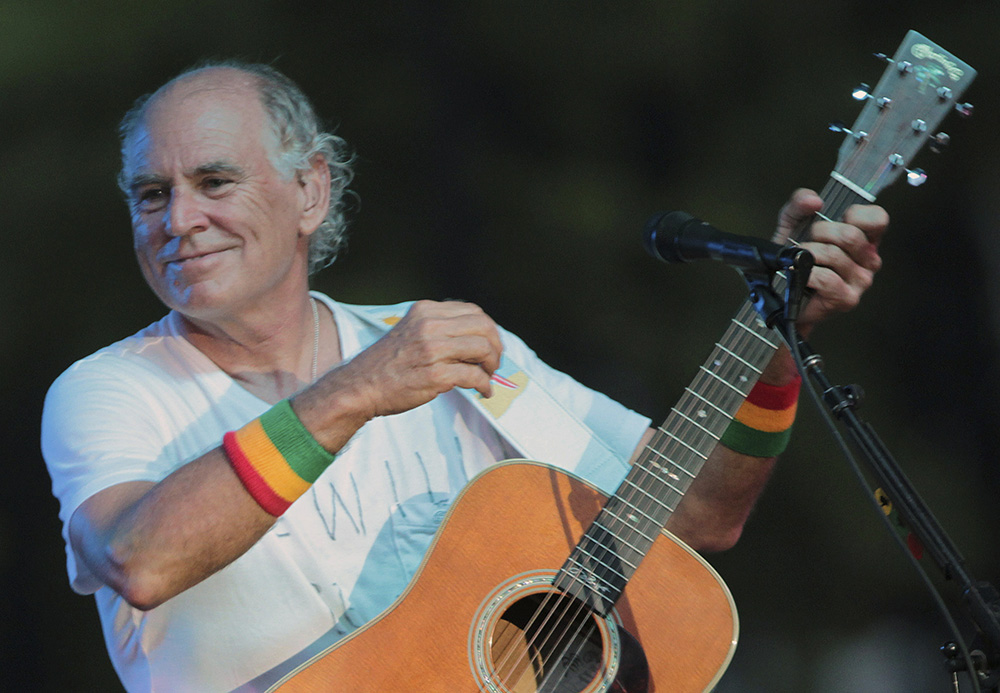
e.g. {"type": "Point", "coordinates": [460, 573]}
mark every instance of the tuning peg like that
{"type": "Point", "coordinates": [944, 93]}
{"type": "Point", "coordinates": [916, 177]}
{"type": "Point", "coordinates": [964, 109]}
{"type": "Point", "coordinates": [919, 125]}
{"type": "Point", "coordinates": [902, 66]}
{"type": "Point", "coordinates": [838, 126]}
{"type": "Point", "coordinates": [939, 142]}
{"type": "Point", "coordinates": [862, 92]}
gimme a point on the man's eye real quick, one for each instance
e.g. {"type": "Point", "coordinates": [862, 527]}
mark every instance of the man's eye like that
{"type": "Point", "coordinates": [150, 198]}
{"type": "Point", "coordinates": [215, 183]}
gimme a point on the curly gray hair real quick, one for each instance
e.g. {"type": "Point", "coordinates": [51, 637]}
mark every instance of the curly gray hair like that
{"type": "Point", "coordinates": [300, 139]}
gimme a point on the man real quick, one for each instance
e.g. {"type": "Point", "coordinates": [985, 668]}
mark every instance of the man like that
{"type": "Point", "coordinates": [194, 462]}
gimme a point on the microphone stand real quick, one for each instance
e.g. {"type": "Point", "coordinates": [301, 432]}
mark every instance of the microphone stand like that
{"type": "Point", "coordinates": [979, 598]}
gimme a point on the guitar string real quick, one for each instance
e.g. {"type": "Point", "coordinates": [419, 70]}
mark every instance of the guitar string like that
{"type": "Point", "coordinates": [685, 426]}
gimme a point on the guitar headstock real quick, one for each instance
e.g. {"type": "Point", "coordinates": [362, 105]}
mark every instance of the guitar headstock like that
{"type": "Point", "coordinates": [920, 86]}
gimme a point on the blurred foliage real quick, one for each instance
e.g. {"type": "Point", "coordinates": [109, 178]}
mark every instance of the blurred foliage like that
{"type": "Point", "coordinates": [509, 153]}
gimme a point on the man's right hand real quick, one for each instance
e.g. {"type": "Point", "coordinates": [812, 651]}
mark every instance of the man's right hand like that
{"type": "Point", "coordinates": [435, 347]}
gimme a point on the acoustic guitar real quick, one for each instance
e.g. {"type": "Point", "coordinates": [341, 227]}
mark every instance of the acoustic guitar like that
{"type": "Point", "coordinates": [538, 583]}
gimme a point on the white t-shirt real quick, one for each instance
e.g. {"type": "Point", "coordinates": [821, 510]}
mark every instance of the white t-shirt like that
{"type": "Point", "coordinates": [141, 408]}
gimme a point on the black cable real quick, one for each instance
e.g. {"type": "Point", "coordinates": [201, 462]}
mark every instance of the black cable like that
{"type": "Point", "coordinates": [793, 345]}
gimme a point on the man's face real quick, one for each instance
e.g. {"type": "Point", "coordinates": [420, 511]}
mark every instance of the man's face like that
{"type": "Point", "coordinates": [217, 230]}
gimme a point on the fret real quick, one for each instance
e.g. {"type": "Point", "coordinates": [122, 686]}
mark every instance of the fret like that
{"type": "Point", "coordinates": [640, 464]}
{"type": "Point", "coordinates": [724, 382]}
{"type": "Point", "coordinates": [655, 478]}
{"type": "Point", "coordinates": [648, 494]}
{"type": "Point", "coordinates": [608, 539]}
{"type": "Point", "coordinates": [696, 438]}
{"type": "Point", "coordinates": [754, 333]}
{"type": "Point", "coordinates": [694, 423]}
{"type": "Point", "coordinates": [611, 511]}
{"type": "Point", "coordinates": [601, 566]}
{"type": "Point", "coordinates": [586, 578]}
{"type": "Point", "coordinates": [666, 471]}
{"type": "Point", "coordinates": [741, 360]}
{"type": "Point", "coordinates": [607, 552]}
{"type": "Point", "coordinates": [631, 528]}
{"type": "Point", "coordinates": [641, 541]}
{"type": "Point", "coordinates": [708, 402]}
{"type": "Point", "coordinates": [665, 432]}
{"type": "Point", "coordinates": [608, 570]}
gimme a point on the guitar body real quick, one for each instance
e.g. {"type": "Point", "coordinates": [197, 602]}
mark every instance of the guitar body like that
{"type": "Point", "coordinates": [454, 628]}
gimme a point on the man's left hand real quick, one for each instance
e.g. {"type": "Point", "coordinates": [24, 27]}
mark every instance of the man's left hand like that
{"type": "Point", "coordinates": [846, 254]}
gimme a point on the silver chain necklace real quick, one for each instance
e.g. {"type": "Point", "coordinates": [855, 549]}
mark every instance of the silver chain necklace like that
{"type": "Point", "coordinates": [315, 361]}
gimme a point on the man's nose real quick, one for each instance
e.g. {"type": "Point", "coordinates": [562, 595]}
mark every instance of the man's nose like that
{"type": "Point", "coordinates": [185, 214]}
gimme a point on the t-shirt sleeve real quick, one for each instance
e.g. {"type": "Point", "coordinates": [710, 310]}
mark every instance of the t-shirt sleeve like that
{"type": "Point", "coordinates": [617, 425]}
{"type": "Point", "coordinates": [99, 428]}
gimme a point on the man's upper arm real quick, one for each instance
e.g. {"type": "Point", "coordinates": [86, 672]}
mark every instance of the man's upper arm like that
{"type": "Point", "coordinates": [99, 441]}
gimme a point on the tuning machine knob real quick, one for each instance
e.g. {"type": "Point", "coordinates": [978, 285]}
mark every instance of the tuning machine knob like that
{"type": "Point", "coordinates": [939, 142]}
{"type": "Point", "coordinates": [902, 65]}
{"type": "Point", "coordinates": [915, 177]}
{"type": "Point", "coordinates": [838, 126]}
{"type": "Point", "coordinates": [862, 92]}
{"type": "Point", "coordinates": [964, 109]}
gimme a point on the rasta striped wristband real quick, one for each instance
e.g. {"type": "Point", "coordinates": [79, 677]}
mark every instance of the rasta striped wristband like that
{"type": "Point", "coordinates": [276, 458]}
{"type": "Point", "coordinates": [763, 424]}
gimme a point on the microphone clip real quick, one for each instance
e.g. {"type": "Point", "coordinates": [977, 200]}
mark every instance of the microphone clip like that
{"type": "Point", "coordinates": [778, 295]}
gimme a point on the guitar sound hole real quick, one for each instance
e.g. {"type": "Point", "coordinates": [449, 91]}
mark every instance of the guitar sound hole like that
{"type": "Point", "coordinates": [546, 643]}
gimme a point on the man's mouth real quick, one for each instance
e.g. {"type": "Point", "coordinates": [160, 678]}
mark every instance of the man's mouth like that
{"type": "Point", "coordinates": [191, 260]}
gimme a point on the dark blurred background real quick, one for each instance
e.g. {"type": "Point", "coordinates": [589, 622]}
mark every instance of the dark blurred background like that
{"type": "Point", "coordinates": [509, 154]}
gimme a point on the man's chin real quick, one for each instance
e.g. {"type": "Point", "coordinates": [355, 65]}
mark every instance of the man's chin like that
{"type": "Point", "coordinates": [201, 301]}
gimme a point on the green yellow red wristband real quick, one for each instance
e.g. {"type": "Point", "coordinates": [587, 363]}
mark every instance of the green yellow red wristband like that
{"type": "Point", "coordinates": [763, 424]}
{"type": "Point", "coordinates": [276, 458]}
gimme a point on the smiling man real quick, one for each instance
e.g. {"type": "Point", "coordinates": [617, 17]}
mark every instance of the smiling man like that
{"type": "Point", "coordinates": [263, 469]}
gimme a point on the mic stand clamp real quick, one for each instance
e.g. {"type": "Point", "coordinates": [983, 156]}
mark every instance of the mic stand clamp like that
{"type": "Point", "coordinates": [792, 281]}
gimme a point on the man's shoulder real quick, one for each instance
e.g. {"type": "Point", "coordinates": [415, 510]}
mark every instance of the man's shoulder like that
{"type": "Point", "coordinates": [147, 351]}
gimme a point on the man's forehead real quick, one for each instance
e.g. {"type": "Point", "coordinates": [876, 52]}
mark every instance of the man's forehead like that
{"type": "Point", "coordinates": [211, 100]}
{"type": "Point", "coordinates": [210, 79]}
{"type": "Point", "coordinates": [198, 124]}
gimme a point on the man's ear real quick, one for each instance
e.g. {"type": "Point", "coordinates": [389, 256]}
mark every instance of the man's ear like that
{"type": "Point", "coordinates": [315, 194]}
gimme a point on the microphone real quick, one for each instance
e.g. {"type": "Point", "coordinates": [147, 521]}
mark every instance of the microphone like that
{"type": "Point", "coordinates": [680, 237]}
